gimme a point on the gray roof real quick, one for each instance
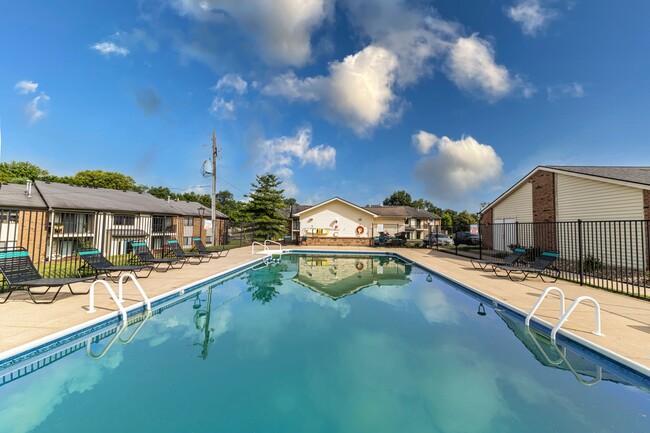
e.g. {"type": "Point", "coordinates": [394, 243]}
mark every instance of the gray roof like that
{"type": "Point", "coordinates": [13, 196]}
{"type": "Point", "coordinates": [63, 196]}
{"type": "Point", "coordinates": [402, 211]}
{"type": "Point", "coordinates": [640, 175]}
{"type": "Point", "coordinates": [297, 208]}
{"type": "Point", "coordinates": [191, 208]}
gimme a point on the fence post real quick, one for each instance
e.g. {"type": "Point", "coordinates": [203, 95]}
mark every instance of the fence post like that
{"type": "Point", "coordinates": [581, 262]}
{"type": "Point", "coordinates": [516, 234]}
{"type": "Point", "coordinates": [480, 242]}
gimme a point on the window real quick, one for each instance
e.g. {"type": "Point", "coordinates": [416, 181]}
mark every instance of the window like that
{"type": "Point", "coordinates": [189, 221]}
{"type": "Point", "coordinates": [124, 220]}
{"type": "Point", "coordinates": [208, 240]}
{"type": "Point", "coordinates": [187, 241]}
{"type": "Point", "coordinates": [163, 224]}
{"type": "Point", "coordinates": [8, 216]}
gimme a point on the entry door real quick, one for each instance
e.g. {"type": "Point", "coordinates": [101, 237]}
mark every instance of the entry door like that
{"type": "Point", "coordinates": [504, 233]}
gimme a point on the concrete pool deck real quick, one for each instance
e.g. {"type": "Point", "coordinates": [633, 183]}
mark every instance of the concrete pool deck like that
{"type": "Point", "coordinates": [625, 320]}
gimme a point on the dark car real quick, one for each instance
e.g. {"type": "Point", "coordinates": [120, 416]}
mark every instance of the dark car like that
{"type": "Point", "coordinates": [436, 239]}
{"type": "Point", "coordinates": [466, 238]}
{"type": "Point", "coordinates": [398, 239]}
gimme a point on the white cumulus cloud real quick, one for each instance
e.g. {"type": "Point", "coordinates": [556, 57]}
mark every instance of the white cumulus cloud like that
{"type": "Point", "coordinates": [282, 29]}
{"type": "Point", "coordinates": [358, 91]}
{"type": "Point", "coordinates": [472, 67]}
{"type": "Point", "coordinates": [34, 108]}
{"type": "Point", "coordinates": [531, 15]}
{"type": "Point", "coordinates": [222, 108]}
{"type": "Point", "coordinates": [458, 167]}
{"type": "Point", "coordinates": [232, 81]}
{"type": "Point", "coordinates": [25, 87]}
{"type": "Point", "coordinates": [423, 141]}
{"type": "Point", "coordinates": [110, 48]}
{"type": "Point", "coordinates": [277, 155]}
{"type": "Point", "coordinates": [571, 90]}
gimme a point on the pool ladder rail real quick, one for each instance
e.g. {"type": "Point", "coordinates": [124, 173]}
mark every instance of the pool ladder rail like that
{"type": "Point", "coordinates": [119, 298]}
{"type": "Point", "coordinates": [564, 315]}
{"type": "Point", "coordinates": [265, 247]}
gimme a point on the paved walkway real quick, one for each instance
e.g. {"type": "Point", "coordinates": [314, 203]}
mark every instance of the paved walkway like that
{"type": "Point", "coordinates": [625, 320]}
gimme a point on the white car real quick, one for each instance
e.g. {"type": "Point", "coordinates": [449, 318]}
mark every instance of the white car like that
{"type": "Point", "coordinates": [437, 239]}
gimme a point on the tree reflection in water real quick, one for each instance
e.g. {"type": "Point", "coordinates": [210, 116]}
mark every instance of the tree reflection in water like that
{"type": "Point", "coordinates": [263, 282]}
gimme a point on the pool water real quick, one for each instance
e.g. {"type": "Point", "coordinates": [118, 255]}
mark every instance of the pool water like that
{"type": "Point", "coordinates": [320, 343]}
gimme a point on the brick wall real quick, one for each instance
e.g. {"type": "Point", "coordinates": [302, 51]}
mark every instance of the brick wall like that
{"type": "Point", "coordinates": [197, 229]}
{"type": "Point", "coordinates": [337, 241]}
{"type": "Point", "coordinates": [544, 235]}
{"type": "Point", "coordinates": [543, 196]}
{"type": "Point", "coordinates": [486, 229]}
{"type": "Point", "coordinates": [646, 216]}
{"type": "Point", "coordinates": [32, 233]}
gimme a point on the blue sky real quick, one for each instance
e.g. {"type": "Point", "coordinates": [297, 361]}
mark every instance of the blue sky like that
{"type": "Point", "coordinates": [452, 101]}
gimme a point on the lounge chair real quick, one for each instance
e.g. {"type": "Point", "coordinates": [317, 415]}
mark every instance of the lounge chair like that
{"type": "Point", "coordinates": [20, 274]}
{"type": "Point", "coordinates": [100, 265]}
{"type": "Point", "coordinates": [144, 254]}
{"type": "Point", "coordinates": [181, 254]}
{"type": "Point", "coordinates": [198, 246]}
{"type": "Point", "coordinates": [511, 260]}
{"type": "Point", "coordinates": [536, 269]}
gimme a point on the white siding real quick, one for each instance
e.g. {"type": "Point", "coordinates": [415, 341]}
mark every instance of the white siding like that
{"type": "Point", "coordinates": [612, 244]}
{"type": "Point", "coordinates": [591, 200]}
{"type": "Point", "coordinates": [338, 218]}
{"type": "Point", "coordinates": [518, 205]}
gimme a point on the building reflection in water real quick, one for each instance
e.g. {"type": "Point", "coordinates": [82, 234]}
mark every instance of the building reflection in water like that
{"type": "Point", "coordinates": [337, 277]}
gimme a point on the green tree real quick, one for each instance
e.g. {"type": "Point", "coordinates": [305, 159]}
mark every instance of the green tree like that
{"type": "Point", "coordinates": [160, 192]}
{"type": "Point", "coordinates": [398, 198]}
{"type": "Point", "coordinates": [464, 219]}
{"type": "Point", "coordinates": [446, 221]}
{"type": "Point", "coordinates": [104, 179]}
{"type": "Point", "coordinates": [20, 171]}
{"type": "Point", "coordinates": [265, 200]}
{"type": "Point", "coordinates": [226, 203]}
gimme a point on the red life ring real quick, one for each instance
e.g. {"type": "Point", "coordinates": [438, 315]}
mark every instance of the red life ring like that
{"type": "Point", "coordinates": [359, 265]}
{"type": "Point", "coordinates": [360, 230]}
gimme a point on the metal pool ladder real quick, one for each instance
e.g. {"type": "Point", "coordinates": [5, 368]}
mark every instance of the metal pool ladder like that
{"type": "Point", "coordinates": [564, 316]}
{"type": "Point", "coordinates": [118, 299]}
{"type": "Point", "coordinates": [265, 247]}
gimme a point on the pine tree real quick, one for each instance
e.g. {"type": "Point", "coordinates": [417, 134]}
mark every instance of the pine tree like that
{"type": "Point", "coordinates": [265, 200]}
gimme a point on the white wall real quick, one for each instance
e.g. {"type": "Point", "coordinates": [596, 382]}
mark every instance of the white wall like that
{"type": "Point", "coordinates": [347, 218]}
{"type": "Point", "coordinates": [518, 205]}
{"type": "Point", "coordinates": [591, 200]}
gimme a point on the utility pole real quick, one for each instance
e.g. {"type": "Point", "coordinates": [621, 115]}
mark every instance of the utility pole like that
{"type": "Point", "coordinates": [213, 198]}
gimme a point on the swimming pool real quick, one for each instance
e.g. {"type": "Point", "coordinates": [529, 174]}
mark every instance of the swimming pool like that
{"type": "Point", "coordinates": [320, 343]}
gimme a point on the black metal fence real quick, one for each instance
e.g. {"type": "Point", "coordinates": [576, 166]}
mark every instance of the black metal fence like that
{"type": "Point", "coordinates": [613, 255]}
{"type": "Point", "coordinates": [52, 238]}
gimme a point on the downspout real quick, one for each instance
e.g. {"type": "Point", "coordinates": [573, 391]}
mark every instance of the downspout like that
{"type": "Point", "coordinates": [51, 211]}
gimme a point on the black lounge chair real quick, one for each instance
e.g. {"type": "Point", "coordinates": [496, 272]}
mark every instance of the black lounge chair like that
{"type": "Point", "coordinates": [181, 254]}
{"type": "Point", "coordinates": [511, 260]}
{"type": "Point", "coordinates": [198, 246]}
{"type": "Point", "coordinates": [144, 254]}
{"type": "Point", "coordinates": [100, 265]}
{"type": "Point", "coordinates": [20, 274]}
{"type": "Point", "coordinates": [536, 269]}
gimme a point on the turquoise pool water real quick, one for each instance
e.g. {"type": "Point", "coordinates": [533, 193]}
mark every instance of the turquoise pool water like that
{"type": "Point", "coordinates": [321, 344]}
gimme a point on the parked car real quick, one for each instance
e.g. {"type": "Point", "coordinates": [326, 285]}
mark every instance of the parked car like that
{"type": "Point", "coordinates": [466, 238]}
{"type": "Point", "coordinates": [436, 239]}
{"type": "Point", "coordinates": [399, 239]}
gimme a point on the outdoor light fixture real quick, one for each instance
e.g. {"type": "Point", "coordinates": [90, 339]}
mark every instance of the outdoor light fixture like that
{"type": "Point", "coordinates": [481, 310]}
{"type": "Point", "coordinates": [197, 302]}
{"type": "Point", "coordinates": [201, 211]}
